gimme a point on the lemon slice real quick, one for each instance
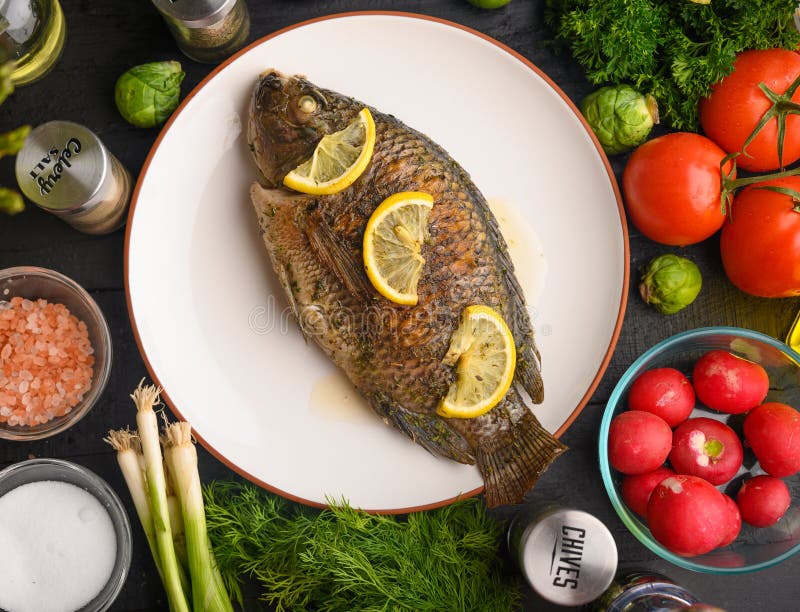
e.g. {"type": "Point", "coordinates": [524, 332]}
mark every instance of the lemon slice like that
{"type": "Point", "coordinates": [338, 160]}
{"type": "Point", "coordinates": [485, 356]}
{"type": "Point", "coordinates": [392, 243]}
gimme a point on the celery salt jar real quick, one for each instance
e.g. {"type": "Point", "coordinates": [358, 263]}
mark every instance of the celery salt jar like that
{"type": "Point", "coordinates": [206, 30]}
{"type": "Point", "coordinates": [66, 170]}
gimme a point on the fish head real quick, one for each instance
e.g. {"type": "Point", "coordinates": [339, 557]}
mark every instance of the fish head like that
{"type": "Point", "coordinates": [288, 117]}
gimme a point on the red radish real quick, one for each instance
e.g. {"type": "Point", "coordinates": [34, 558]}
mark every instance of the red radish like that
{"type": "Point", "coordinates": [688, 515]}
{"type": "Point", "coordinates": [636, 489]}
{"type": "Point", "coordinates": [763, 500]}
{"type": "Point", "coordinates": [638, 442]}
{"type": "Point", "coordinates": [734, 521]}
{"type": "Point", "coordinates": [773, 432]}
{"type": "Point", "coordinates": [706, 448]}
{"type": "Point", "coordinates": [665, 392]}
{"type": "Point", "coordinates": [729, 383]}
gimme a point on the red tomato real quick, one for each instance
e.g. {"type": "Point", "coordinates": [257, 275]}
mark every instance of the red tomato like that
{"type": "Point", "coordinates": [761, 245]}
{"type": "Point", "coordinates": [672, 188]}
{"type": "Point", "coordinates": [736, 105]}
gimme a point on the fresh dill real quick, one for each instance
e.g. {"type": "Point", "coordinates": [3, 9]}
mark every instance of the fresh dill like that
{"type": "Point", "coordinates": [672, 49]}
{"type": "Point", "coordinates": [342, 559]}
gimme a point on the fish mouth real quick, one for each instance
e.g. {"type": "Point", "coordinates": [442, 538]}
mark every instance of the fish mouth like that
{"type": "Point", "coordinates": [272, 79]}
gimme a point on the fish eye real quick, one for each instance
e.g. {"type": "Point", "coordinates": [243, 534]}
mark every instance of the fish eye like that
{"type": "Point", "coordinates": [307, 104]}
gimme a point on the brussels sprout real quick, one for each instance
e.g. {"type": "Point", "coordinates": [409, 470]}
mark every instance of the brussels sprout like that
{"type": "Point", "coordinates": [147, 94]}
{"type": "Point", "coordinates": [11, 142]}
{"type": "Point", "coordinates": [620, 116]}
{"type": "Point", "coordinates": [489, 4]}
{"type": "Point", "coordinates": [6, 84]}
{"type": "Point", "coordinates": [670, 283]}
{"type": "Point", "coordinates": [11, 202]}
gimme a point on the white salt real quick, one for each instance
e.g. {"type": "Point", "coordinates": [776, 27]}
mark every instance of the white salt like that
{"type": "Point", "coordinates": [58, 547]}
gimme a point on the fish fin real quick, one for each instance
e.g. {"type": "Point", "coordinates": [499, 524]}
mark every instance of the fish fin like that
{"type": "Point", "coordinates": [529, 366]}
{"type": "Point", "coordinates": [329, 250]}
{"type": "Point", "coordinates": [528, 372]}
{"type": "Point", "coordinates": [266, 200]}
{"type": "Point", "coordinates": [510, 469]}
{"type": "Point", "coordinates": [427, 430]}
{"type": "Point", "coordinates": [276, 209]}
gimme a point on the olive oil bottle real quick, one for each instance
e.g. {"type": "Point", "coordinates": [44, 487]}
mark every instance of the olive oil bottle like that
{"type": "Point", "coordinates": [32, 35]}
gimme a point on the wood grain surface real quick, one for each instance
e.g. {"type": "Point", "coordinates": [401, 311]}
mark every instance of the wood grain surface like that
{"type": "Point", "coordinates": [106, 38]}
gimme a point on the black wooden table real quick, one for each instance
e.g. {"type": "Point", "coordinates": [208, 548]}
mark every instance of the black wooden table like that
{"type": "Point", "coordinates": [106, 38]}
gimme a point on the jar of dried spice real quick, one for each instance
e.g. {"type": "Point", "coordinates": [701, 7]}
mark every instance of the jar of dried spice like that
{"type": "Point", "coordinates": [206, 30]}
{"type": "Point", "coordinates": [66, 170]}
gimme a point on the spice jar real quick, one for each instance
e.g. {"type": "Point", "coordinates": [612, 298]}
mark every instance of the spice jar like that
{"type": "Point", "coordinates": [206, 30]}
{"type": "Point", "coordinates": [32, 35]}
{"type": "Point", "coordinates": [66, 170]}
{"type": "Point", "coordinates": [567, 556]}
{"type": "Point", "coordinates": [643, 591]}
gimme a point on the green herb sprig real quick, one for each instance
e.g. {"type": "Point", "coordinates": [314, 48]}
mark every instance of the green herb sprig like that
{"type": "Point", "coordinates": [342, 559]}
{"type": "Point", "coordinates": [672, 49]}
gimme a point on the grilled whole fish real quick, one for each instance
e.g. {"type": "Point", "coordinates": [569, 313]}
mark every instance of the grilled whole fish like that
{"type": "Point", "coordinates": [393, 354]}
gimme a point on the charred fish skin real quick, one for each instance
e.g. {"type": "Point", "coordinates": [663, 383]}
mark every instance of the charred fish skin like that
{"type": "Point", "coordinates": [393, 354]}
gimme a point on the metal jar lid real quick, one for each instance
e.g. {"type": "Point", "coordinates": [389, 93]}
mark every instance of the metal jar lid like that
{"type": "Point", "coordinates": [195, 13]}
{"type": "Point", "coordinates": [568, 557]}
{"type": "Point", "coordinates": [63, 167]}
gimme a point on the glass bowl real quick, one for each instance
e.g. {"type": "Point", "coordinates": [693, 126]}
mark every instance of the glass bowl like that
{"type": "Point", "coordinates": [35, 283]}
{"type": "Point", "coordinates": [37, 470]}
{"type": "Point", "coordinates": [755, 548]}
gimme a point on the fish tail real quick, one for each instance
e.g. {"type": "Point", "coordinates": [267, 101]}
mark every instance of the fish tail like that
{"type": "Point", "coordinates": [509, 470]}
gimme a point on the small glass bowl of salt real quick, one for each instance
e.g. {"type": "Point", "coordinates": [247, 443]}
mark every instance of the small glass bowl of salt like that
{"type": "Point", "coordinates": [55, 353]}
{"type": "Point", "coordinates": [65, 537]}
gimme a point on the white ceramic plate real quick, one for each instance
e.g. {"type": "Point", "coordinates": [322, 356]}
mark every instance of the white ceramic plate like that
{"type": "Point", "coordinates": [210, 317]}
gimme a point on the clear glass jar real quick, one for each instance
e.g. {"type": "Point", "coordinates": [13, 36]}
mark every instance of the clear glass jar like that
{"type": "Point", "coordinates": [207, 30]}
{"type": "Point", "coordinates": [32, 34]}
{"type": "Point", "coordinates": [643, 591]}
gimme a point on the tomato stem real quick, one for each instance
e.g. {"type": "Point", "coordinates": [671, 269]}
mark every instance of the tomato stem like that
{"type": "Point", "coordinates": [782, 105]}
{"type": "Point", "coordinates": [729, 185]}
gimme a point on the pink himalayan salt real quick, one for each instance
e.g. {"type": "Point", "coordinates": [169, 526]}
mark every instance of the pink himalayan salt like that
{"type": "Point", "coordinates": [46, 361]}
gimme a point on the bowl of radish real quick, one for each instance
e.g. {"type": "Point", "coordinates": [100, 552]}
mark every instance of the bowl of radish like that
{"type": "Point", "coordinates": [700, 450]}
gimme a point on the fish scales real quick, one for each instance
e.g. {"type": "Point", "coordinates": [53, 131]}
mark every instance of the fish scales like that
{"type": "Point", "coordinates": [393, 354]}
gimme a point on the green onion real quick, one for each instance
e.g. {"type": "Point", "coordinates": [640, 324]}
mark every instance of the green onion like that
{"type": "Point", "coordinates": [129, 455]}
{"type": "Point", "coordinates": [178, 534]}
{"type": "Point", "coordinates": [208, 590]}
{"type": "Point", "coordinates": [145, 398]}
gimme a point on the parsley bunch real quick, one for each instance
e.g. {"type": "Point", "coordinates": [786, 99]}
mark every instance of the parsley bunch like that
{"type": "Point", "coordinates": [342, 559]}
{"type": "Point", "coordinates": [673, 49]}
